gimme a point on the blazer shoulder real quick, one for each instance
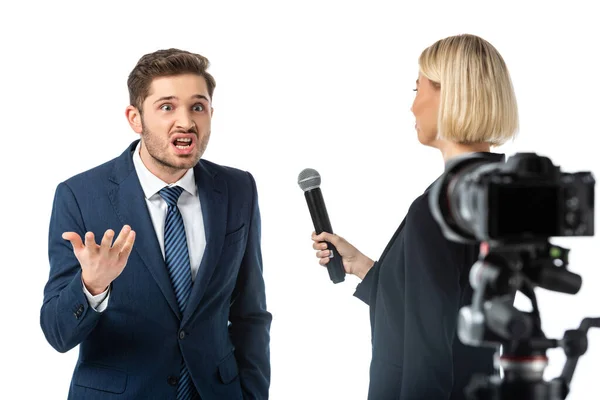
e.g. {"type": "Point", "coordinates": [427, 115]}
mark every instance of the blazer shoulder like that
{"type": "Point", "coordinates": [92, 177]}
{"type": "Point", "coordinates": [222, 169]}
{"type": "Point", "coordinates": [234, 176]}
{"type": "Point", "coordinates": [419, 214]}
{"type": "Point", "coordinates": [421, 225]}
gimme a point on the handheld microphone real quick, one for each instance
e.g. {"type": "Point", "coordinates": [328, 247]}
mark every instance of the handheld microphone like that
{"type": "Point", "coordinates": [309, 181]}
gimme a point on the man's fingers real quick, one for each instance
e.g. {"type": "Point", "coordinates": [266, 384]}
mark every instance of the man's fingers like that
{"type": "Point", "coordinates": [90, 241]}
{"type": "Point", "coordinates": [107, 240]}
{"type": "Point", "coordinates": [127, 246]}
{"type": "Point", "coordinates": [75, 240]}
{"type": "Point", "coordinates": [122, 237]}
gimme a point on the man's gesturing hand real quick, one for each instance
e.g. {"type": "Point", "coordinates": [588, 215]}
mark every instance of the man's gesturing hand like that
{"type": "Point", "coordinates": [101, 264]}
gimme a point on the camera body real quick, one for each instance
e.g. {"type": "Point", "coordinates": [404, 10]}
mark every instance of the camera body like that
{"type": "Point", "coordinates": [523, 199]}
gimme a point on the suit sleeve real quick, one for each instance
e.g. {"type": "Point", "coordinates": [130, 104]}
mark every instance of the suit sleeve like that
{"type": "Point", "coordinates": [98, 302]}
{"type": "Point", "coordinates": [365, 289]}
{"type": "Point", "coordinates": [250, 320]}
{"type": "Point", "coordinates": [432, 301]}
{"type": "Point", "coordinates": [66, 317]}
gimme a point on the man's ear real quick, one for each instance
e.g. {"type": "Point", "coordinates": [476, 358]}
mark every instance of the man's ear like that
{"type": "Point", "coordinates": [134, 117]}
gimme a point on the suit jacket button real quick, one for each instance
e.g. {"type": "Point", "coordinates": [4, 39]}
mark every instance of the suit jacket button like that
{"type": "Point", "coordinates": [182, 335]}
{"type": "Point", "coordinates": [172, 380]}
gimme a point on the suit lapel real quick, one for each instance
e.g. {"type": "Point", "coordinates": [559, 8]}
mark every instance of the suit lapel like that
{"type": "Point", "coordinates": [129, 203]}
{"type": "Point", "coordinates": [212, 191]}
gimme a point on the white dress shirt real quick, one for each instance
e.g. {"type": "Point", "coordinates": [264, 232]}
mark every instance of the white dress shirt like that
{"type": "Point", "coordinates": [189, 207]}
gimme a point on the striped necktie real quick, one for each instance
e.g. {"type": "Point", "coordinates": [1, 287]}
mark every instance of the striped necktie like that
{"type": "Point", "coordinates": [178, 265]}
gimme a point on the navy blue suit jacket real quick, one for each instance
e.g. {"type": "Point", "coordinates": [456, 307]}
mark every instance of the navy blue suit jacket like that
{"type": "Point", "coordinates": [134, 348]}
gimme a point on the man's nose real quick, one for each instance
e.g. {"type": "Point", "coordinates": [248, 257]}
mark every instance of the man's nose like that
{"type": "Point", "coordinates": [185, 121]}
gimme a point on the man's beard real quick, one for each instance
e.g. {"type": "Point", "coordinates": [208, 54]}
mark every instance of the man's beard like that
{"type": "Point", "coordinates": [161, 155]}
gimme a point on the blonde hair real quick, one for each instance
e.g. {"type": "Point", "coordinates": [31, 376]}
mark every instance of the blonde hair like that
{"type": "Point", "coordinates": [477, 99]}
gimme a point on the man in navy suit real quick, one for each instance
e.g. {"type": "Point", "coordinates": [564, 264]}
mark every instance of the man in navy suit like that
{"type": "Point", "coordinates": [173, 307]}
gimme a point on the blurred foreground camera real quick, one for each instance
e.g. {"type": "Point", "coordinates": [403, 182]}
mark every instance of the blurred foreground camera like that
{"type": "Point", "coordinates": [523, 199]}
{"type": "Point", "coordinates": [511, 209]}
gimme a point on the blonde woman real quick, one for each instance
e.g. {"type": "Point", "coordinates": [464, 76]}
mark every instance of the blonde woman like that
{"type": "Point", "coordinates": [465, 103]}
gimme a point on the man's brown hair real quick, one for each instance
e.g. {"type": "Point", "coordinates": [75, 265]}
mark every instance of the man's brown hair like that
{"type": "Point", "coordinates": [165, 63]}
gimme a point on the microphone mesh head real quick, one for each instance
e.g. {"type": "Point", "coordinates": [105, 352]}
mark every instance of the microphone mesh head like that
{"type": "Point", "coordinates": [309, 179]}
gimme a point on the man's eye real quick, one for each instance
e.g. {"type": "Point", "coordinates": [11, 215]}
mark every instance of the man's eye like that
{"type": "Point", "coordinates": [198, 107]}
{"type": "Point", "coordinates": [166, 107]}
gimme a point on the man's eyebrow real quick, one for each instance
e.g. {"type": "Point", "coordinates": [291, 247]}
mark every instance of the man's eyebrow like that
{"type": "Point", "coordinates": [200, 96]}
{"type": "Point", "coordinates": [167, 98]}
{"type": "Point", "coordinates": [164, 98]}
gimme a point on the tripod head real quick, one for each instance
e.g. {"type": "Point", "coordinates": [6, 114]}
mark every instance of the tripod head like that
{"type": "Point", "coordinates": [492, 320]}
{"type": "Point", "coordinates": [511, 209]}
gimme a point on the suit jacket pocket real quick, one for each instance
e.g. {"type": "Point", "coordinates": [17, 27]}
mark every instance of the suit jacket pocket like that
{"type": "Point", "coordinates": [100, 378]}
{"type": "Point", "coordinates": [235, 236]}
{"type": "Point", "coordinates": [228, 368]}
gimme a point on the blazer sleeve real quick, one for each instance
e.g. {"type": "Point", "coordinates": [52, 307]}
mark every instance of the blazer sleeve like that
{"type": "Point", "coordinates": [365, 289]}
{"type": "Point", "coordinates": [432, 301]}
{"type": "Point", "coordinates": [66, 317]}
{"type": "Point", "coordinates": [250, 320]}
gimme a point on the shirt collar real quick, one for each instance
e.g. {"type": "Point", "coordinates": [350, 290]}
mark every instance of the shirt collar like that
{"type": "Point", "coordinates": [151, 184]}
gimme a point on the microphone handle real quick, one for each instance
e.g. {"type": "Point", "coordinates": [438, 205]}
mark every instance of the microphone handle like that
{"type": "Point", "coordinates": [320, 218]}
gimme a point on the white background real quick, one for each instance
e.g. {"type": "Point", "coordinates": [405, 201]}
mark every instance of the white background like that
{"type": "Point", "coordinates": [326, 85]}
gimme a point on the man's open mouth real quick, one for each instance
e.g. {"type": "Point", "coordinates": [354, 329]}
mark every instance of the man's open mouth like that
{"type": "Point", "coordinates": [182, 143]}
